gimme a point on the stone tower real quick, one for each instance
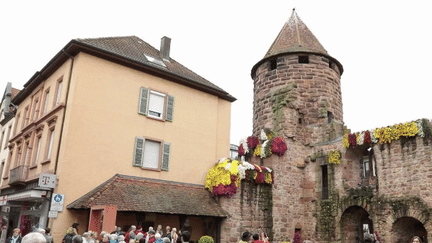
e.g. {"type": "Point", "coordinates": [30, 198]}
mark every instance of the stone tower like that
{"type": "Point", "coordinates": [297, 95]}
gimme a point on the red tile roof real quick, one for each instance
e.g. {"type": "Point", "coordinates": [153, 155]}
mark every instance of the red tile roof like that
{"type": "Point", "coordinates": [150, 195]}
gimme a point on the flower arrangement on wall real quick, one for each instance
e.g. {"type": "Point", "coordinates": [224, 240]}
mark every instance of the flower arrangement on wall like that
{"type": "Point", "coordinates": [224, 177]}
{"type": "Point", "coordinates": [263, 146]}
{"type": "Point", "coordinates": [334, 157]}
{"type": "Point", "coordinates": [388, 134]}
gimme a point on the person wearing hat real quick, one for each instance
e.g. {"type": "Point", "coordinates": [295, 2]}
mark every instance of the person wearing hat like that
{"type": "Point", "coordinates": [75, 226]}
{"type": "Point", "coordinates": [246, 237]}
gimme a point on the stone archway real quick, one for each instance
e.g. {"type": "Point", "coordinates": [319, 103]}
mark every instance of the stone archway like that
{"type": "Point", "coordinates": [352, 224]}
{"type": "Point", "coordinates": [405, 228]}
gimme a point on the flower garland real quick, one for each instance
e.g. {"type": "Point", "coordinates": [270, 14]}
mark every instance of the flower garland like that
{"type": "Point", "coordinates": [224, 177]}
{"type": "Point", "coordinates": [388, 134]}
{"type": "Point", "coordinates": [334, 157]}
{"type": "Point", "coordinates": [263, 146]}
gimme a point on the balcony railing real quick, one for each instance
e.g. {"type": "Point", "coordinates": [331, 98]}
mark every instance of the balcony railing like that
{"type": "Point", "coordinates": [18, 175]}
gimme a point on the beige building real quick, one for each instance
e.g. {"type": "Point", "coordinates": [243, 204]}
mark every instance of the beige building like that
{"type": "Point", "coordinates": [110, 109]}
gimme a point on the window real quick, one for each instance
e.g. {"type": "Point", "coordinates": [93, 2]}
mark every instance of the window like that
{"type": "Point", "coordinates": [1, 140]}
{"type": "Point", "coordinates": [156, 105]}
{"type": "Point", "coordinates": [38, 147]}
{"type": "Point", "coordinates": [324, 182]}
{"type": "Point", "coordinates": [59, 90]}
{"type": "Point", "coordinates": [329, 117]}
{"type": "Point", "coordinates": [16, 123]}
{"type": "Point", "coordinates": [18, 156]}
{"type": "Point", "coordinates": [273, 64]}
{"type": "Point", "coordinates": [45, 105]}
{"type": "Point", "coordinates": [27, 152]}
{"type": "Point", "coordinates": [151, 154]}
{"type": "Point", "coordinates": [366, 166]}
{"type": "Point", "coordinates": [35, 109]}
{"type": "Point", "coordinates": [25, 117]}
{"type": "Point", "coordinates": [2, 168]}
{"type": "Point", "coordinates": [8, 136]}
{"type": "Point", "coordinates": [303, 59]}
{"type": "Point", "coordinates": [49, 144]}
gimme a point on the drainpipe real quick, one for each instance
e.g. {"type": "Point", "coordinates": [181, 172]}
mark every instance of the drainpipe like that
{"type": "Point", "coordinates": [63, 121]}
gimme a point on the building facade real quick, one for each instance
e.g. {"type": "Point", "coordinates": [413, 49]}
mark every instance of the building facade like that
{"type": "Point", "coordinates": [111, 109]}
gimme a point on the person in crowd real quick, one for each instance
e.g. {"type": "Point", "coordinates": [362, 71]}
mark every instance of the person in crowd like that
{"type": "Point", "coordinates": [139, 230]}
{"type": "Point", "coordinates": [121, 239]}
{"type": "Point", "coordinates": [105, 238]}
{"type": "Point", "coordinates": [168, 232]}
{"type": "Point", "coordinates": [139, 237]}
{"type": "Point", "coordinates": [174, 235]}
{"type": "Point", "coordinates": [93, 237]}
{"type": "Point", "coordinates": [151, 235]}
{"type": "Point", "coordinates": [77, 239]}
{"type": "Point", "coordinates": [70, 233]}
{"type": "Point", "coordinates": [130, 234]}
{"type": "Point", "coordinates": [15, 238]}
{"type": "Point", "coordinates": [75, 226]}
{"type": "Point", "coordinates": [147, 235]}
{"type": "Point", "coordinates": [113, 238]}
{"type": "Point", "coordinates": [179, 238]}
{"type": "Point", "coordinates": [246, 237]}
{"type": "Point", "coordinates": [256, 238]}
{"type": "Point", "coordinates": [416, 239]}
{"type": "Point", "coordinates": [85, 237]}
{"type": "Point", "coordinates": [34, 237]}
{"type": "Point", "coordinates": [159, 230]}
{"type": "Point", "coordinates": [185, 236]}
{"type": "Point", "coordinates": [166, 240]}
{"type": "Point", "coordinates": [48, 237]}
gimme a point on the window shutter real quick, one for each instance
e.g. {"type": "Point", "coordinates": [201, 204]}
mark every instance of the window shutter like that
{"type": "Point", "coordinates": [166, 156]}
{"type": "Point", "coordinates": [143, 100]}
{"type": "Point", "coordinates": [170, 108]}
{"type": "Point", "coordinates": [138, 151]}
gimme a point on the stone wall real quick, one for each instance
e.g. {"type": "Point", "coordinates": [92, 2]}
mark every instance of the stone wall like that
{"type": "Point", "coordinates": [250, 209]}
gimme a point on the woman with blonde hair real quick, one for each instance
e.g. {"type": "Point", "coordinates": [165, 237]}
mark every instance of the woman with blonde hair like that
{"type": "Point", "coordinates": [416, 239]}
{"type": "Point", "coordinates": [174, 235]}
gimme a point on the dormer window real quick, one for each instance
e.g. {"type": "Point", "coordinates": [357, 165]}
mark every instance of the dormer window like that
{"type": "Point", "coordinates": [303, 59]}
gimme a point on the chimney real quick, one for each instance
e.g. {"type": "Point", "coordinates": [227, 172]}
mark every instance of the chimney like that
{"type": "Point", "coordinates": [165, 47]}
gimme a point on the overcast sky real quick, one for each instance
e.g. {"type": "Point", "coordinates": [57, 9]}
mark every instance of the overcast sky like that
{"type": "Point", "coordinates": [385, 47]}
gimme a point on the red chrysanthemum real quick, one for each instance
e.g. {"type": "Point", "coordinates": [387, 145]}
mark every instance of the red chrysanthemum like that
{"type": "Point", "coordinates": [352, 139]}
{"type": "Point", "coordinates": [278, 146]}
{"type": "Point", "coordinates": [252, 142]}
{"type": "Point", "coordinates": [367, 138]}
{"type": "Point", "coordinates": [241, 151]}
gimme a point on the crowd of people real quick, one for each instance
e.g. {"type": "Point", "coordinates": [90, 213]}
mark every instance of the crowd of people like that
{"type": "Point", "coordinates": [133, 235]}
{"type": "Point", "coordinates": [248, 237]}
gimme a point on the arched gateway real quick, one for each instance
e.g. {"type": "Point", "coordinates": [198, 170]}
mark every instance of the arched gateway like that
{"type": "Point", "coordinates": [355, 222]}
{"type": "Point", "coordinates": [407, 227]}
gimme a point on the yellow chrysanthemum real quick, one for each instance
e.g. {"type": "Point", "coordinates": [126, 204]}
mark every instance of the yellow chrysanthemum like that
{"type": "Point", "coordinates": [268, 178]}
{"type": "Point", "coordinates": [234, 167]}
{"type": "Point", "coordinates": [345, 141]}
{"type": "Point", "coordinates": [334, 157]}
{"type": "Point", "coordinates": [257, 151]}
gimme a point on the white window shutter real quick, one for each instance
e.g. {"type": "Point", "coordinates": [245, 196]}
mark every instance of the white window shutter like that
{"type": "Point", "coordinates": [138, 151]}
{"type": "Point", "coordinates": [166, 156]}
{"type": "Point", "coordinates": [143, 100]}
{"type": "Point", "coordinates": [169, 108]}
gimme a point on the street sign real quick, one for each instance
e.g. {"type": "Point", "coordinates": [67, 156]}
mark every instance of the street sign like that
{"type": "Point", "coordinates": [57, 202]}
{"type": "Point", "coordinates": [47, 180]}
{"type": "Point", "coordinates": [52, 214]}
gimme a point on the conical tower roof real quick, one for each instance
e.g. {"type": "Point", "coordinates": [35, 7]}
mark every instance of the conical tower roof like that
{"type": "Point", "coordinates": [295, 36]}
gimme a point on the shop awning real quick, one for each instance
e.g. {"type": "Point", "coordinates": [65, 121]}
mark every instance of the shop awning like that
{"type": "Point", "coordinates": [150, 195]}
{"type": "Point", "coordinates": [27, 195]}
